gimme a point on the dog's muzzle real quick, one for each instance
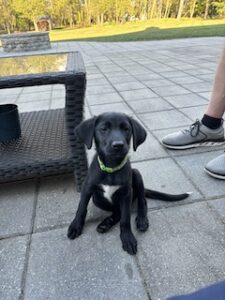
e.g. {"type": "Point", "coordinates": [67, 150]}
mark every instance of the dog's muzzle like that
{"type": "Point", "coordinates": [117, 145]}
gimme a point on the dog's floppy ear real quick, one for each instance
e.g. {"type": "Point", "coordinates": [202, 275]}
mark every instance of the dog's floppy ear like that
{"type": "Point", "coordinates": [85, 131]}
{"type": "Point", "coordinates": [139, 133]}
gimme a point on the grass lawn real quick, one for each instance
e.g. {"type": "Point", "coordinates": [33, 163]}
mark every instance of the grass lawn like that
{"type": "Point", "coordinates": [143, 30]}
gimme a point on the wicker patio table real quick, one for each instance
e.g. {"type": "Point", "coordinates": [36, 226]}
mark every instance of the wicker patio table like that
{"type": "Point", "coordinates": [47, 145]}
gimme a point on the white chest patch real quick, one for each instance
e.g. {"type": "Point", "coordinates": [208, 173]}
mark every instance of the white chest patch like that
{"type": "Point", "coordinates": [109, 190]}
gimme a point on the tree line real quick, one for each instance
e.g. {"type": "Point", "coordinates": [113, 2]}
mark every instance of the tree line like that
{"type": "Point", "coordinates": [22, 15]}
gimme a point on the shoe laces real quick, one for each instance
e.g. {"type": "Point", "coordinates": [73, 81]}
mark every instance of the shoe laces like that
{"type": "Point", "coordinates": [194, 128]}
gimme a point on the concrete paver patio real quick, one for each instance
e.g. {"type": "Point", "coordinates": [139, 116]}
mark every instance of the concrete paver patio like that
{"type": "Point", "coordinates": [165, 85]}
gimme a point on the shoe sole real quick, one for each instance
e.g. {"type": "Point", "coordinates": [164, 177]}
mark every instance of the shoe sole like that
{"type": "Point", "coordinates": [214, 174]}
{"type": "Point", "coordinates": [195, 145]}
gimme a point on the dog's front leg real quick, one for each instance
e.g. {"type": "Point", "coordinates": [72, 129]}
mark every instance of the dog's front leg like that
{"type": "Point", "coordinates": [139, 192]}
{"type": "Point", "coordinates": [129, 242]}
{"type": "Point", "coordinates": [76, 226]}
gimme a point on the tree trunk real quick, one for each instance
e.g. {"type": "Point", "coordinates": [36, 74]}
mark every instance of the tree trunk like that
{"type": "Point", "coordinates": [180, 10]}
{"type": "Point", "coordinates": [8, 28]}
{"type": "Point", "coordinates": [167, 9]}
{"type": "Point", "coordinates": [160, 9]}
{"type": "Point", "coordinates": [116, 13]}
{"type": "Point", "coordinates": [192, 10]}
{"type": "Point", "coordinates": [35, 24]}
{"type": "Point", "coordinates": [79, 17]}
{"type": "Point", "coordinates": [206, 9]}
{"type": "Point", "coordinates": [145, 9]}
{"type": "Point", "coordinates": [71, 22]}
{"type": "Point", "coordinates": [102, 18]}
{"type": "Point", "coordinates": [50, 24]}
{"type": "Point", "coordinates": [98, 19]}
{"type": "Point", "coordinates": [148, 9]}
{"type": "Point", "coordinates": [152, 9]}
{"type": "Point", "coordinates": [87, 13]}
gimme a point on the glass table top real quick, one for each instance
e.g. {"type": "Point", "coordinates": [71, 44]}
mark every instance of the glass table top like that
{"type": "Point", "coordinates": [23, 65]}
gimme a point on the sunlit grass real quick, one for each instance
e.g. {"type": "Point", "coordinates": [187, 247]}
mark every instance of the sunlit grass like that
{"type": "Point", "coordinates": [143, 30]}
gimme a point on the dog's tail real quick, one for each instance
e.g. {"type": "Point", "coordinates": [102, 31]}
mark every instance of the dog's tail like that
{"type": "Point", "coordinates": [166, 197]}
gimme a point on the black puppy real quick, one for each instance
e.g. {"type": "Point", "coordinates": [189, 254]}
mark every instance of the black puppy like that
{"type": "Point", "coordinates": [111, 182]}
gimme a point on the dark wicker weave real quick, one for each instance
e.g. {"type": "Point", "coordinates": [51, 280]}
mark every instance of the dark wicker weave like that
{"type": "Point", "coordinates": [43, 150]}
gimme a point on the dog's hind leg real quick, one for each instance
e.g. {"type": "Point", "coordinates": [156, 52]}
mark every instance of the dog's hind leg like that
{"type": "Point", "coordinates": [139, 192]}
{"type": "Point", "coordinates": [108, 223]}
{"type": "Point", "coordinates": [101, 202]}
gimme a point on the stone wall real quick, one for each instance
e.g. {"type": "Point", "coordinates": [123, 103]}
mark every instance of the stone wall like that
{"type": "Point", "coordinates": [27, 41]}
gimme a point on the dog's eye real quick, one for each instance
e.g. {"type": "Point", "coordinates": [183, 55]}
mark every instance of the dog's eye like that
{"type": "Point", "coordinates": [126, 128]}
{"type": "Point", "coordinates": [103, 129]}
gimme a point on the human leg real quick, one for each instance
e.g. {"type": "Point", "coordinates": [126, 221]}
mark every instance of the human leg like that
{"type": "Point", "coordinates": [216, 106]}
{"type": "Point", "coordinates": [209, 131]}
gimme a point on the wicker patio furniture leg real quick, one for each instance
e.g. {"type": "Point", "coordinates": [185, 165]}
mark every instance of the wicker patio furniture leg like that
{"type": "Point", "coordinates": [75, 93]}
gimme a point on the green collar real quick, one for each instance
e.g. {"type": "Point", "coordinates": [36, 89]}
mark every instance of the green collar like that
{"type": "Point", "coordinates": [112, 170]}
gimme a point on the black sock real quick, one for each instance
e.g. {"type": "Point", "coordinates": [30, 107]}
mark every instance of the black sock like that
{"type": "Point", "coordinates": [211, 122]}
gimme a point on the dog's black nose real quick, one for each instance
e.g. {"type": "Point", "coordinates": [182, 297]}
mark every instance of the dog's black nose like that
{"type": "Point", "coordinates": [117, 145]}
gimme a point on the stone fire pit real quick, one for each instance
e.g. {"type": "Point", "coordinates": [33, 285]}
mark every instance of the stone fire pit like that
{"type": "Point", "coordinates": [26, 41]}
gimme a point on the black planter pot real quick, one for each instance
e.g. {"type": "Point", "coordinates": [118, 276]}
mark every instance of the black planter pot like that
{"type": "Point", "coordinates": [9, 123]}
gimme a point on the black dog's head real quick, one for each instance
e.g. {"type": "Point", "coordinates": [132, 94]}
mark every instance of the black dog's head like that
{"type": "Point", "coordinates": [112, 133]}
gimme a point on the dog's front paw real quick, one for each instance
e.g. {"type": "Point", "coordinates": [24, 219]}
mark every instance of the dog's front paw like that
{"type": "Point", "coordinates": [142, 223]}
{"type": "Point", "coordinates": [129, 243]}
{"type": "Point", "coordinates": [74, 230]}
